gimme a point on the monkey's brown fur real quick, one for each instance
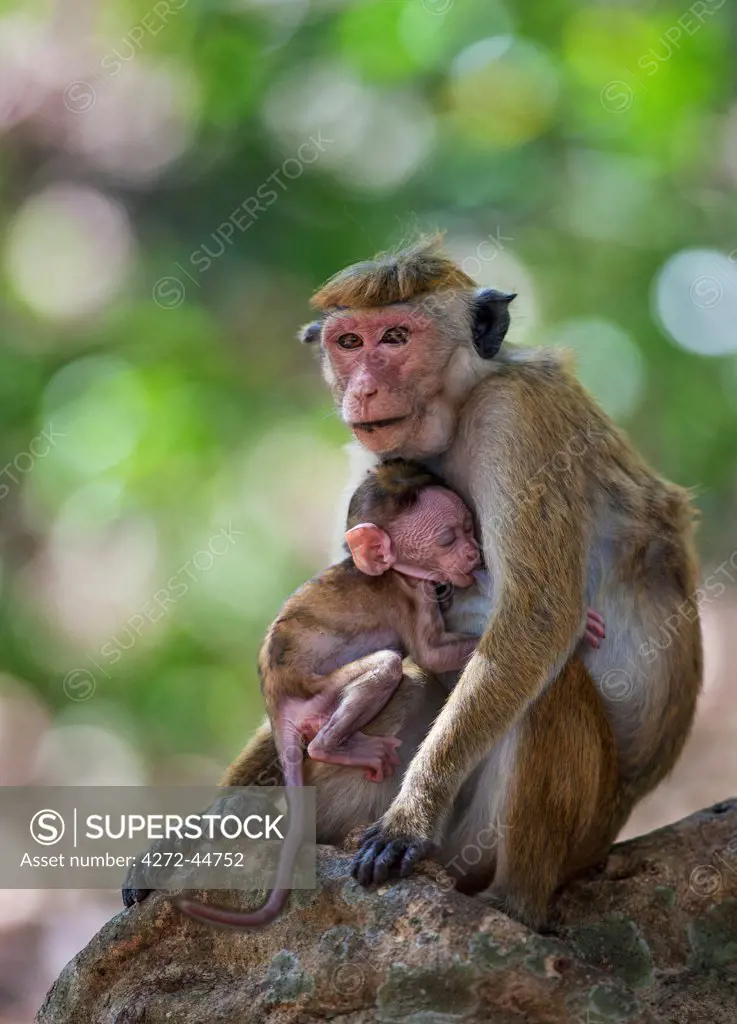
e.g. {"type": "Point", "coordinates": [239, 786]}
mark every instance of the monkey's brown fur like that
{"type": "Point", "coordinates": [344, 798]}
{"type": "Point", "coordinates": [393, 277]}
{"type": "Point", "coordinates": [258, 763]}
{"type": "Point", "coordinates": [570, 515]}
{"type": "Point", "coordinates": [391, 489]}
{"type": "Point", "coordinates": [565, 742]}
{"type": "Point", "coordinates": [333, 659]}
{"type": "Point", "coordinates": [568, 747]}
{"type": "Point", "coordinates": [570, 780]}
{"type": "Point", "coordinates": [341, 601]}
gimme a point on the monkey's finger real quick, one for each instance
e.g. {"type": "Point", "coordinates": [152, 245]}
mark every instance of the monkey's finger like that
{"type": "Point", "coordinates": [593, 639]}
{"type": "Point", "coordinates": [389, 860]}
{"type": "Point", "coordinates": [371, 833]}
{"type": "Point", "coordinates": [362, 868]}
{"type": "Point", "coordinates": [416, 852]}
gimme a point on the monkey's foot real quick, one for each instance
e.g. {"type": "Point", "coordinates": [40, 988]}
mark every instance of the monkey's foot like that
{"type": "Point", "coordinates": [385, 757]}
{"type": "Point", "coordinates": [379, 856]}
{"type": "Point", "coordinates": [131, 896]}
{"type": "Point", "coordinates": [378, 754]}
{"type": "Point", "coordinates": [518, 910]}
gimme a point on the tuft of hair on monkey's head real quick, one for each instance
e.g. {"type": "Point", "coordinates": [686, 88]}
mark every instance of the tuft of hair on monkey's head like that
{"type": "Point", "coordinates": [394, 277]}
{"type": "Point", "coordinates": [390, 489]}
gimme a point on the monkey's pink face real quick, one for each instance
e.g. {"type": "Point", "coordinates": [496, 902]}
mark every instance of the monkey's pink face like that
{"type": "Point", "coordinates": [382, 366]}
{"type": "Point", "coordinates": [436, 536]}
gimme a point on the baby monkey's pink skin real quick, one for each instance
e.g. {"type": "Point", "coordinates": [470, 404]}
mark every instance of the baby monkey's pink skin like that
{"type": "Point", "coordinates": [433, 541]}
{"type": "Point", "coordinates": [430, 543]}
{"type": "Point", "coordinates": [333, 658]}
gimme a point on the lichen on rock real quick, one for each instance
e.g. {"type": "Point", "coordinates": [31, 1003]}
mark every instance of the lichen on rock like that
{"type": "Point", "coordinates": [642, 939]}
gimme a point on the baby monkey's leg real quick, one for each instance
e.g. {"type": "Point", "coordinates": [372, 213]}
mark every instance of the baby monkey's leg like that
{"type": "Point", "coordinates": [373, 681]}
{"type": "Point", "coordinates": [377, 754]}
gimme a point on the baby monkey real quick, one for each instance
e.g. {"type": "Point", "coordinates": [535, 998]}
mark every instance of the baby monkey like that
{"type": "Point", "coordinates": [333, 658]}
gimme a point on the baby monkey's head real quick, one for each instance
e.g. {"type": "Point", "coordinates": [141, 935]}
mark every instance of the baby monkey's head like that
{"type": "Point", "coordinates": [403, 517]}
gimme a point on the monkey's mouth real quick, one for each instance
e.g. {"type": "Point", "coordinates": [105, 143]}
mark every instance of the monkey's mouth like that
{"type": "Point", "coordinates": [369, 426]}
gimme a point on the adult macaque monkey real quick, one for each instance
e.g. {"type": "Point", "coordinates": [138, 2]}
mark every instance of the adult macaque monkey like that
{"type": "Point", "coordinates": [570, 516]}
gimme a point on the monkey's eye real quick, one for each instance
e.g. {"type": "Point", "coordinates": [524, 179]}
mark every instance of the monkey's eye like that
{"type": "Point", "coordinates": [349, 341]}
{"type": "Point", "coordinates": [446, 539]}
{"type": "Point", "coordinates": [396, 336]}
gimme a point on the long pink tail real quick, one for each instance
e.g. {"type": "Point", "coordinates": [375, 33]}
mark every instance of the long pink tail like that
{"type": "Point", "coordinates": [292, 764]}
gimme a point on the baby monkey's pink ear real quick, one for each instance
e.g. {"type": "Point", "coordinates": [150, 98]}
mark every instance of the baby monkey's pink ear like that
{"type": "Point", "coordinates": [371, 549]}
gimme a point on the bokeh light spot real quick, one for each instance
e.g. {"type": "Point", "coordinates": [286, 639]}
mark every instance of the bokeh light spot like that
{"type": "Point", "coordinates": [68, 252]}
{"type": "Point", "coordinates": [504, 91]}
{"type": "Point", "coordinates": [608, 362]}
{"type": "Point", "coordinates": [140, 122]}
{"type": "Point", "coordinates": [78, 754]}
{"type": "Point", "coordinates": [695, 300]}
{"type": "Point", "coordinates": [608, 197]}
{"type": "Point", "coordinates": [373, 139]}
{"type": "Point", "coordinates": [436, 30]}
{"type": "Point", "coordinates": [101, 408]}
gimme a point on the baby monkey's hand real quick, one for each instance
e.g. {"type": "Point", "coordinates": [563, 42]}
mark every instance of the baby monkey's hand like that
{"type": "Point", "coordinates": [595, 628]}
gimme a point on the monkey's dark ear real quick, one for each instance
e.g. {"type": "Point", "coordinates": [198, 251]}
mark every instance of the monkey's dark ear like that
{"type": "Point", "coordinates": [310, 332]}
{"type": "Point", "coordinates": [490, 321]}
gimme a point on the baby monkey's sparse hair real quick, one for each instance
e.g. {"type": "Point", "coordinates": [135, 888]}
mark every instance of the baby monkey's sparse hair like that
{"type": "Point", "coordinates": [390, 489]}
{"type": "Point", "coordinates": [394, 277]}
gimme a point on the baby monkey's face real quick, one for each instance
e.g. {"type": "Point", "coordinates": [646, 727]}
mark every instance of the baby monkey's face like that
{"type": "Point", "coordinates": [436, 535]}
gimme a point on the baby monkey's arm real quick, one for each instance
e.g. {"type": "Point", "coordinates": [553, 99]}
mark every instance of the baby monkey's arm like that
{"type": "Point", "coordinates": [595, 628]}
{"type": "Point", "coordinates": [432, 646]}
{"type": "Point", "coordinates": [438, 650]}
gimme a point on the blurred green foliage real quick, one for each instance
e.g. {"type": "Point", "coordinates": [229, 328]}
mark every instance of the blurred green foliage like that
{"type": "Point", "coordinates": [569, 150]}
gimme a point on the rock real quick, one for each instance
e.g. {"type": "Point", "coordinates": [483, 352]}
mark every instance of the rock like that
{"type": "Point", "coordinates": [651, 936]}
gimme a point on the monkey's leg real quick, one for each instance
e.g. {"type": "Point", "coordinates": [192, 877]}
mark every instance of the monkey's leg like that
{"type": "Point", "coordinates": [373, 680]}
{"type": "Point", "coordinates": [560, 808]}
{"type": "Point", "coordinates": [339, 742]}
{"type": "Point", "coordinates": [345, 799]}
{"type": "Point", "coordinates": [377, 754]}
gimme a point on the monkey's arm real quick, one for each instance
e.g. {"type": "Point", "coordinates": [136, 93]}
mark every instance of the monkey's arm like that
{"type": "Point", "coordinates": [433, 646]}
{"type": "Point", "coordinates": [539, 578]}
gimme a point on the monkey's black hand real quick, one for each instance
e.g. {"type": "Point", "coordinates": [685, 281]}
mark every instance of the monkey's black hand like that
{"type": "Point", "coordinates": [131, 896]}
{"type": "Point", "coordinates": [379, 856]}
